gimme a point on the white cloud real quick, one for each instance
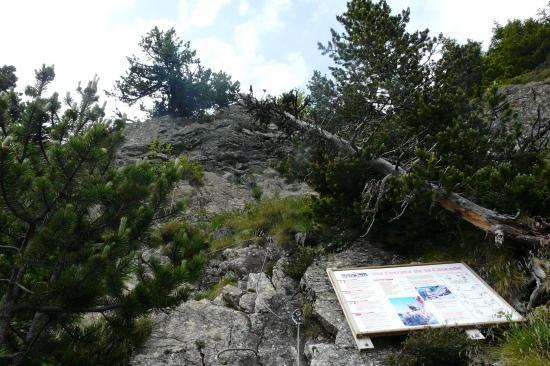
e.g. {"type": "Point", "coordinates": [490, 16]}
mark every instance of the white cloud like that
{"type": "Point", "coordinates": [244, 6]}
{"type": "Point", "coordinates": [200, 13]}
{"type": "Point", "coordinates": [252, 68]}
{"type": "Point", "coordinates": [279, 76]}
{"type": "Point", "coordinates": [78, 37]}
{"type": "Point", "coordinates": [241, 56]}
{"type": "Point", "coordinates": [83, 38]}
{"type": "Point", "coordinates": [465, 19]}
{"type": "Point", "coordinates": [184, 13]}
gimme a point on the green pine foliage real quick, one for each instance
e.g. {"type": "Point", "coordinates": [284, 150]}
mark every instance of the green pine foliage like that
{"type": "Point", "coordinates": [75, 287]}
{"type": "Point", "coordinates": [518, 47]}
{"type": "Point", "coordinates": [172, 76]}
{"type": "Point", "coordinates": [7, 78]}
{"type": "Point", "coordinates": [431, 115]}
{"type": "Point", "coordinates": [423, 104]}
{"type": "Point", "coordinates": [181, 242]}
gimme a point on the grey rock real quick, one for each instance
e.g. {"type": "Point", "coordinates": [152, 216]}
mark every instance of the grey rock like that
{"type": "Point", "coordinates": [300, 238]}
{"type": "Point", "coordinates": [231, 296]}
{"type": "Point", "coordinates": [194, 333]}
{"type": "Point", "coordinates": [283, 283]}
{"type": "Point", "coordinates": [318, 290]}
{"type": "Point", "coordinates": [243, 261]}
{"type": "Point", "coordinates": [247, 302]}
{"type": "Point", "coordinates": [530, 109]}
{"type": "Point", "coordinates": [262, 286]}
{"type": "Point", "coordinates": [255, 314]}
{"type": "Point", "coordinates": [233, 156]}
{"type": "Point", "coordinates": [322, 354]}
{"type": "Point", "coordinates": [277, 345]}
{"type": "Point", "coordinates": [344, 337]}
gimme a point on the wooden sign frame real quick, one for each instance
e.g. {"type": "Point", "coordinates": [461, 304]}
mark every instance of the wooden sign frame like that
{"type": "Point", "coordinates": [356, 331]}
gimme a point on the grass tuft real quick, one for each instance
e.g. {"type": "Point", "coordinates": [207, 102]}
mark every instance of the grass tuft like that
{"type": "Point", "coordinates": [301, 260]}
{"type": "Point", "coordinates": [528, 344]}
{"type": "Point", "coordinates": [280, 218]}
{"type": "Point", "coordinates": [216, 289]}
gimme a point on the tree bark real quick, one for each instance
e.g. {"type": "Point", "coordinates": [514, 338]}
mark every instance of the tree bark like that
{"type": "Point", "coordinates": [8, 301]}
{"type": "Point", "coordinates": [497, 224]}
{"type": "Point", "coordinates": [38, 324]}
{"type": "Point", "coordinates": [7, 304]}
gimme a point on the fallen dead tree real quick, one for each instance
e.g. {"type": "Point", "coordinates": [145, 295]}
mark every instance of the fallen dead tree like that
{"type": "Point", "coordinates": [501, 227]}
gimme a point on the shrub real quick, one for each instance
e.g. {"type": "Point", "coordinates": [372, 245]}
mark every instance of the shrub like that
{"type": "Point", "coordinates": [433, 347]}
{"type": "Point", "coordinates": [312, 328]}
{"type": "Point", "coordinates": [181, 242]}
{"type": "Point", "coordinates": [302, 259]}
{"type": "Point", "coordinates": [216, 289]}
{"type": "Point", "coordinates": [518, 47]}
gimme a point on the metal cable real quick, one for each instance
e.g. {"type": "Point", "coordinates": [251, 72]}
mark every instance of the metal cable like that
{"type": "Point", "coordinates": [296, 316]}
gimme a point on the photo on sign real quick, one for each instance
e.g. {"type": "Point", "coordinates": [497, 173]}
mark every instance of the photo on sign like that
{"type": "Point", "coordinates": [433, 292]}
{"type": "Point", "coordinates": [412, 311]}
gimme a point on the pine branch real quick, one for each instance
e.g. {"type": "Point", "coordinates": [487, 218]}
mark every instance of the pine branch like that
{"type": "Point", "coordinates": [15, 212]}
{"type": "Point", "coordinates": [16, 284]}
{"type": "Point", "coordinates": [9, 247]}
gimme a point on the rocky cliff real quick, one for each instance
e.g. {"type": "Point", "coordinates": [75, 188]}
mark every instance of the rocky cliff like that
{"type": "Point", "coordinates": [249, 323]}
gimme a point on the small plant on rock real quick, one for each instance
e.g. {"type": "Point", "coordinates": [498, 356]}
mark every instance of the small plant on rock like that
{"type": "Point", "coordinates": [528, 344]}
{"type": "Point", "coordinates": [433, 347]}
{"type": "Point", "coordinates": [302, 259]}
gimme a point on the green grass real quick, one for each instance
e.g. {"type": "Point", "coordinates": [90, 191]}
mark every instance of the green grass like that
{"type": "Point", "coordinates": [280, 218]}
{"type": "Point", "coordinates": [216, 289]}
{"type": "Point", "coordinates": [527, 344]}
{"type": "Point", "coordinates": [541, 73]}
{"type": "Point", "coordinates": [312, 328]}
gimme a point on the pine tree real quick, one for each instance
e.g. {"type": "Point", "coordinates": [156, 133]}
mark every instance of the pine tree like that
{"type": "Point", "coordinates": [72, 231]}
{"type": "Point", "coordinates": [519, 46]}
{"type": "Point", "coordinates": [7, 77]}
{"type": "Point", "coordinates": [391, 97]}
{"type": "Point", "coordinates": [174, 78]}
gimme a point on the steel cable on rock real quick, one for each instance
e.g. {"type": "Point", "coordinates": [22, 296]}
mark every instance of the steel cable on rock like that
{"type": "Point", "coordinates": [296, 316]}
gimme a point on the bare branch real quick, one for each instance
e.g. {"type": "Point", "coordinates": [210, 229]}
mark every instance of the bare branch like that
{"type": "Point", "coordinates": [16, 284]}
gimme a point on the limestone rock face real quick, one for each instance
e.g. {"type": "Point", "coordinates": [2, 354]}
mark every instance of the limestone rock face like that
{"type": "Point", "coordinates": [249, 323]}
{"type": "Point", "coordinates": [195, 332]}
{"type": "Point", "coordinates": [318, 290]}
{"type": "Point", "coordinates": [529, 108]}
{"type": "Point", "coordinates": [237, 156]}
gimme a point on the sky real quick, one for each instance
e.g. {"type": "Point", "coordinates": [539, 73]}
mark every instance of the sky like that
{"type": "Point", "coordinates": [269, 44]}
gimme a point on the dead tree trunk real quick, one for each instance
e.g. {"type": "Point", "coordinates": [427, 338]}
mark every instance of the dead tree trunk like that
{"type": "Point", "coordinates": [500, 226]}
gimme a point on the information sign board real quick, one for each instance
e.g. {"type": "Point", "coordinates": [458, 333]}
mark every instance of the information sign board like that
{"type": "Point", "coordinates": [396, 299]}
